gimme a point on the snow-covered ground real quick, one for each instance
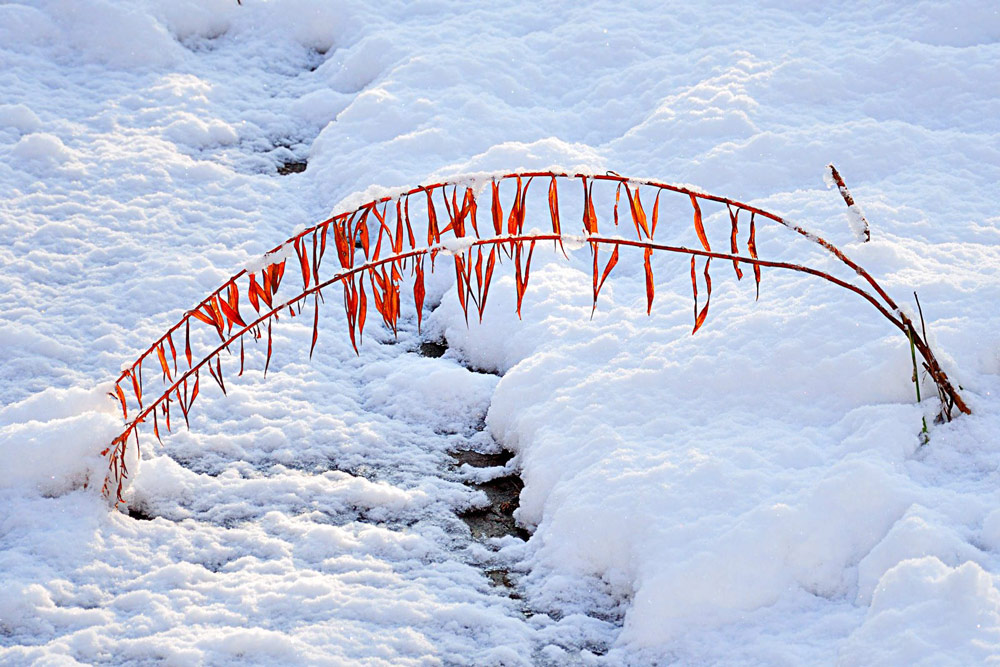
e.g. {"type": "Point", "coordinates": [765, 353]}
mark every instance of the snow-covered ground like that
{"type": "Point", "coordinates": [753, 494]}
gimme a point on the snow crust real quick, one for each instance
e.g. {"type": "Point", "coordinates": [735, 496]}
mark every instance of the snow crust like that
{"type": "Point", "coordinates": [753, 494]}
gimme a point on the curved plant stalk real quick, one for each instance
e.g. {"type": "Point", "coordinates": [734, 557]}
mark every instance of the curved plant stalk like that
{"type": "Point", "coordinates": [395, 251]}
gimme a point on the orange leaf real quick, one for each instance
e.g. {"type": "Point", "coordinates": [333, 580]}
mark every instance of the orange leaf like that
{"type": "Point", "coordinates": [699, 228]}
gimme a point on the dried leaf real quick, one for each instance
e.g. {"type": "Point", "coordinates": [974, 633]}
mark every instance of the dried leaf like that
{"type": "Point", "coordinates": [648, 253]}
{"type": "Point", "coordinates": [433, 235]}
{"type": "Point", "coordinates": [173, 350]}
{"type": "Point", "coordinates": [268, 362]}
{"type": "Point", "coordinates": [607, 270]}
{"type": "Point", "coordinates": [252, 293]}
{"type": "Point", "coordinates": [497, 210]}
{"type": "Point", "coordinates": [419, 291]}
{"type": "Point", "coordinates": [752, 249]}
{"type": "Point", "coordinates": [315, 325]}
{"type": "Point", "coordinates": [733, 247]}
{"type": "Point", "coordinates": [121, 398]}
{"type": "Point", "coordinates": [656, 214]}
{"type": "Point", "coordinates": [187, 341]}
{"type": "Point", "coordinates": [700, 318]}
{"type": "Point", "coordinates": [638, 214]}
{"type": "Point", "coordinates": [589, 216]}
{"type": "Point", "coordinates": [699, 227]}
{"type": "Point", "coordinates": [490, 265]}
{"type": "Point", "coordinates": [163, 361]}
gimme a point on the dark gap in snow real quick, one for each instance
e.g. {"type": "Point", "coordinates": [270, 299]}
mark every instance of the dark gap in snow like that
{"type": "Point", "coordinates": [497, 518]}
{"type": "Point", "coordinates": [139, 513]}
{"type": "Point", "coordinates": [432, 349]}
{"type": "Point", "coordinates": [316, 58]}
{"type": "Point", "coordinates": [293, 166]}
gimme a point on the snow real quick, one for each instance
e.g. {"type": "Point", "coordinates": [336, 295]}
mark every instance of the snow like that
{"type": "Point", "coordinates": [753, 494]}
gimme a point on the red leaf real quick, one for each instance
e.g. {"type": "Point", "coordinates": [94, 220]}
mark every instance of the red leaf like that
{"type": "Point", "coordinates": [656, 214]}
{"type": "Point", "coordinates": [163, 361]}
{"type": "Point", "coordinates": [268, 362]}
{"type": "Point", "coordinates": [300, 251]}
{"type": "Point", "coordinates": [700, 319]}
{"type": "Point", "coordinates": [315, 325]}
{"type": "Point", "coordinates": [516, 217]}
{"type": "Point", "coordinates": [497, 210]}
{"type": "Point", "coordinates": [694, 290]}
{"type": "Point", "coordinates": [554, 210]}
{"type": "Point", "coordinates": [490, 264]}
{"type": "Point", "coordinates": [173, 350]}
{"type": "Point", "coordinates": [607, 270]}
{"type": "Point", "coordinates": [522, 280]}
{"type": "Point", "coordinates": [733, 247]}
{"type": "Point", "coordinates": [241, 358]}
{"type": "Point", "coordinates": [461, 284]}
{"type": "Point", "coordinates": [752, 248]}
{"type": "Point", "coordinates": [278, 270]}
{"type": "Point", "coordinates": [362, 308]}
{"type": "Point", "coordinates": [638, 214]}
{"type": "Point", "coordinates": [589, 216]}
{"type": "Point", "coordinates": [203, 317]}
{"type": "Point", "coordinates": [121, 399]}
{"type": "Point", "coordinates": [363, 229]}
{"type": "Point", "coordinates": [252, 293]}
{"type": "Point", "coordinates": [618, 197]}
{"type": "Point", "coordinates": [470, 203]}
{"type": "Point", "coordinates": [418, 290]}
{"type": "Point", "coordinates": [397, 241]}
{"type": "Point", "coordinates": [187, 341]}
{"type": "Point", "coordinates": [433, 235]}
{"type": "Point", "coordinates": [699, 228]}
{"type": "Point", "coordinates": [232, 315]}
{"type": "Point", "coordinates": [194, 392]}
{"type": "Point", "coordinates": [649, 279]}
{"type": "Point", "coordinates": [409, 228]}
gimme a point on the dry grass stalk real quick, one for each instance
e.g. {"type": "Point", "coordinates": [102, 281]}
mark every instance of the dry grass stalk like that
{"type": "Point", "coordinates": [395, 252]}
